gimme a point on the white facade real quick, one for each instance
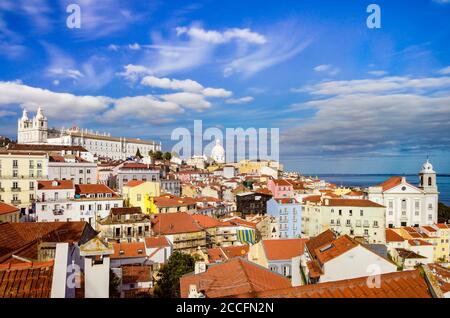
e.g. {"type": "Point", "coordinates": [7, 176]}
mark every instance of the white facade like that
{"type": "Point", "coordinates": [32, 131]}
{"type": "Point", "coordinates": [35, 131]}
{"type": "Point", "coordinates": [357, 262]}
{"type": "Point", "coordinates": [408, 205]}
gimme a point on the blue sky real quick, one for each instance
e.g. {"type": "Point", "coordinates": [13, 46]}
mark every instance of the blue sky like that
{"type": "Point", "coordinates": [345, 97]}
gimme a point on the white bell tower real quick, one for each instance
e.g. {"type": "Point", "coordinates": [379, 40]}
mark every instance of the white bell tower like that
{"type": "Point", "coordinates": [33, 131]}
{"type": "Point", "coordinates": [428, 178]}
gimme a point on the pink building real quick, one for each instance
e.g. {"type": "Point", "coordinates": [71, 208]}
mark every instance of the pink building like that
{"type": "Point", "coordinates": [281, 188]}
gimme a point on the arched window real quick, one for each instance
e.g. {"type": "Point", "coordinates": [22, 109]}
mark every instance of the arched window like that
{"type": "Point", "coordinates": [430, 181]}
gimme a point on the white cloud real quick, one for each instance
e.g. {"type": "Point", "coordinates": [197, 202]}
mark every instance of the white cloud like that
{"type": "Point", "coordinates": [378, 73]}
{"type": "Point", "coordinates": [328, 69]}
{"type": "Point", "coordinates": [445, 70]}
{"type": "Point", "coordinates": [361, 117]}
{"type": "Point", "coordinates": [174, 84]}
{"type": "Point", "coordinates": [242, 100]}
{"type": "Point", "coordinates": [382, 85]}
{"type": "Point", "coordinates": [189, 100]}
{"type": "Point", "coordinates": [134, 72]}
{"type": "Point", "coordinates": [217, 37]}
{"type": "Point", "coordinates": [284, 43]}
{"type": "Point", "coordinates": [66, 106]}
{"type": "Point", "coordinates": [134, 46]}
{"type": "Point", "coordinates": [57, 104]}
{"type": "Point", "coordinates": [187, 85]}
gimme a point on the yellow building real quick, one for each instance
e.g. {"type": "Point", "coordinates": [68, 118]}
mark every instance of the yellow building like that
{"type": "Point", "coordinates": [254, 167]}
{"type": "Point", "coordinates": [19, 172]}
{"type": "Point", "coordinates": [169, 203]}
{"type": "Point", "coordinates": [437, 234]}
{"type": "Point", "coordinates": [9, 213]}
{"type": "Point", "coordinates": [139, 193]}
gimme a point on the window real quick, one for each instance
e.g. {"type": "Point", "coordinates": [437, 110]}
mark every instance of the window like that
{"type": "Point", "coordinates": [350, 213]}
{"type": "Point", "coordinates": [361, 213]}
{"type": "Point", "coordinates": [340, 212]}
{"type": "Point", "coordinates": [366, 232]}
{"type": "Point", "coordinates": [430, 181]}
{"type": "Point", "coordinates": [138, 197]}
{"type": "Point", "coordinates": [403, 204]}
{"type": "Point", "coordinates": [375, 223]}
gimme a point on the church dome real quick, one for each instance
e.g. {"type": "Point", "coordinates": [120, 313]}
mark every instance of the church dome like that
{"type": "Point", "coordinates": [427, 168]}
{"type": "Point", "coordinates": [218, 153]}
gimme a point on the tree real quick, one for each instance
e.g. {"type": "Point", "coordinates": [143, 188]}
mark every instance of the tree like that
{"type": "Point", "coordinates": [114, 282]}
{"type": "Point", "coordinates": [168, 284]}
{"type": "Point", "coordinates": [167, 156]}
{"type": "Point", "coordinates": [138, 154]}
{"type": "Point", "coordinates": [443, 213]}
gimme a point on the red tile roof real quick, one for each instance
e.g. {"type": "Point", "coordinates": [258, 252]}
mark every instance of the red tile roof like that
{"type": "Point", "coordinates": [93, 189]}
{"type": "Point", "coordinates": [127, 210]}
{"type": "Point", "coordinates": [26, 280]}
{"type": "Point", "coordinates": [406, 284]}
{"type": "Point", "coordinates": [392, 236]}
{"type": "Point", "coordinates": [7, 209]}
{"type": "Point", "coordinates": [15, 236]}
{"type": "Point", "coordinates": [323, 238]}
{"type": "Point", "coordinates": [206, 221]}
{"type": "Point", "coordinates": [334, 249]}
{"type": "Point", "coordinates": [391, 183]}
{"type": "Point", "coordinates": [55, 185]}
{"type": "Point", "coordinates": [155, 242]}
{"type": "Point", "coordinates": [353, 202]}
{"type": "Point", "coordinates": [284, 249]}
{"type": "Point", "coordinates": [128, 250]}
{"type": "Point", "coordinates": [134, 183]}
{"type": "Point", "coordinates": [175, 223]}
{"type": "Point", "coordinates": [132, 274]}
{"type": "Point", "coordinates": [231, 278]}
{"type": "Point", "coordinates": [220, 254]}
{"type": "Point", "coordinates": [282, 182]}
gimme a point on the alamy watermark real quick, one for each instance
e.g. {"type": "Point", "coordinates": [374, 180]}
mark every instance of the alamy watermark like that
{"type": "Point", "coordinates": [73, 21]}
{"type": "Point", "coordinates": [374, 19]}
{"type": "Point", "coordinates": [251, 143]}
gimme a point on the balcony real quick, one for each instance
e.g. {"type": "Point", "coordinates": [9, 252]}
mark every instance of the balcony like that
{"type": "Point", "coordinates": [16, 202]}
{"type": "Point", "coordinates": [17, 189]}
{"type": "Point", "coordinates": [366, 225]}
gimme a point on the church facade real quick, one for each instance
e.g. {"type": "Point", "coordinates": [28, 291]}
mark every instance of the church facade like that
{"type": "Point", "coordinates": [407, 204]}
{"type": "Point", "coordinates": [35, 131]}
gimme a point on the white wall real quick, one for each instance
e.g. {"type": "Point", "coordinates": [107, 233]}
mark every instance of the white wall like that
{"type": "Point", "coordinates": [355, 263]}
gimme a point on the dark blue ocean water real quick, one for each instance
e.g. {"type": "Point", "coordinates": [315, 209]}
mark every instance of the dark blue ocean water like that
{"type": "Point", "coordinates": [365, 180]}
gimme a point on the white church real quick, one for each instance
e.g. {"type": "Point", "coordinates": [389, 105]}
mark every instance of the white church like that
{"type": "Point", "coordinates": [407, 204]}
{"type": "Point", "coordinates": [35, 131]}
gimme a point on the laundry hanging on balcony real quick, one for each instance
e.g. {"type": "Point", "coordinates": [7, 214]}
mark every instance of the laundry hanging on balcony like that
{"type": "Point", "coordinates": [246, 236]}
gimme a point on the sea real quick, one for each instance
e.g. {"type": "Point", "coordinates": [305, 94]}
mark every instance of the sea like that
{"type": "Point", "coordinates": [366, 180]}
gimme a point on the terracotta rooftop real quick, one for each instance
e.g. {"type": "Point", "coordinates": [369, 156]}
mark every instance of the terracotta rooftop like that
{"type": "Point", "coordinates": [312, 198]}
{"type": "Point", "coordinates": [124, 211]}
{"type": "Point", "coordinates": [220, 254]}
{"type": "Point", "coordinates": [323, 238]}
{"type": "Point", "coordinates": [6, 208]}
{"type": "Point", "coordinates": [353, 202]}
{"type": "Point", "coordinates": [206, 221]}
{"type": "Point", "coordinates": [128, 250]}
{"type": "Point", "coordinates": [175, 223]}
{"type": "Point", "coordinates": [284, 249]}
{"type": "Point", "coordinates": [93, 189]}
{"type": "Point", "coordinates": [406, 254]}
{"type": "Point", "coordinates": [55, 185]}
{"type": "Point", "coordinates": [392, 236]}
{"type": "Point", "coordinates": [282, 182]}
{"type": "Point", "coordinates": [26, 280]}
{"type": "Point", "coordinates": [334, 249]}
{"type": "Point", "coordinates": [406, 284]}
{"type": "Point", "coordinates": [45, 147]}
{"type": "Point", "coordinates": [132, 274]}
{"type": "Point", "coordinates": [156, 242]}
{"type": "Point", "coordinates": [233, 277]}
{"type": "Point", "coordinates": [134, 183]}
{"type": "Point", "coordinates": [15, 236]}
